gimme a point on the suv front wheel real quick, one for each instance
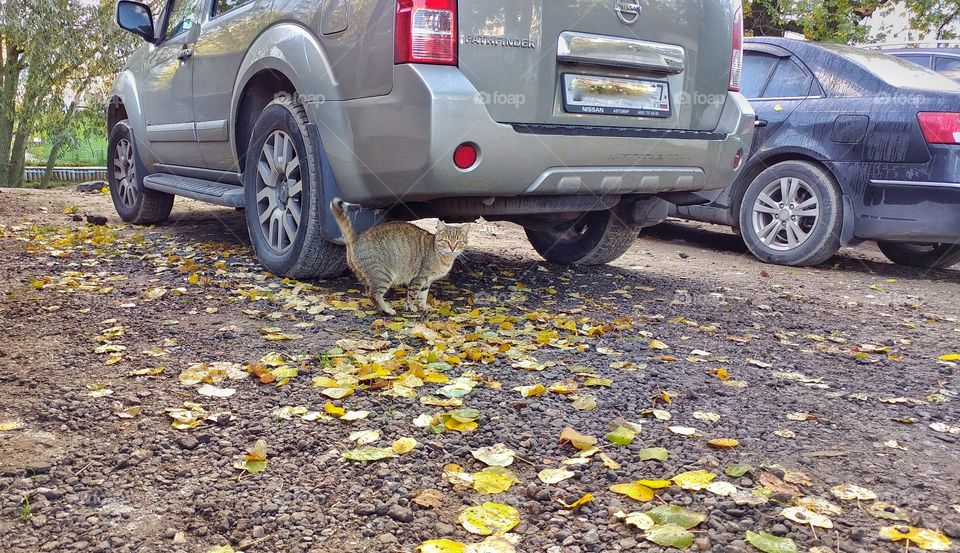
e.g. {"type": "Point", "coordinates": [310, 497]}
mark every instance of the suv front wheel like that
{"type": "Point", "coordinates": [134, 203]}
{"type": "Point", "coordinates": [594, 238]}
{"type": "Point", "coordinates": [284, 197]}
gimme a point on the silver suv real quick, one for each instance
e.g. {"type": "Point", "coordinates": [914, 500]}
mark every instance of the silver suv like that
{"type": "Point", "coordinates": [577, 120]}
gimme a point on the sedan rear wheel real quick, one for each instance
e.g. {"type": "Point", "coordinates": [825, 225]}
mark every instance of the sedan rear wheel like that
{"type": "Point", "coordinates": [791, 214]}
{"type": "Point", "coordinates": [922, 256]}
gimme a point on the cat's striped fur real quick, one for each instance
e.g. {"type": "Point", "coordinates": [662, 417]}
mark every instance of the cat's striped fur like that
{"type": "Point", "coordinates": [400, 254]}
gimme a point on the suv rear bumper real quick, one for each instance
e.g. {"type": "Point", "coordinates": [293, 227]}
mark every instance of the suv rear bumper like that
{"type": "Point", "coordinates": [399, 147]}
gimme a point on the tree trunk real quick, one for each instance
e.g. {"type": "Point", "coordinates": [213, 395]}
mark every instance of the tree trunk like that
{"type": "Point", "coordinates": [8, 93]}
{"type": "Point", "coordinates": [51, 162]}
{"type": "Point", "coordinates": [18, 156]}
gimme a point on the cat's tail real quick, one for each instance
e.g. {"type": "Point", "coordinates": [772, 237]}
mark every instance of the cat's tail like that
{"type": "Point", "coordinates": [339, 209]}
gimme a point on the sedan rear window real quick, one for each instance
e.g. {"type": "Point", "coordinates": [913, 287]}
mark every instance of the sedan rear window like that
{"type": "Point", "coordinates": [895, 71]}
{"type": "Point", "coordinates": [788, 81]}
{"type": "Point", "coordinates": [918, 59]}
{"type": "Point", "coordinates": [756, 69]}
{"type": "Point", "coordinates": [948, 67]}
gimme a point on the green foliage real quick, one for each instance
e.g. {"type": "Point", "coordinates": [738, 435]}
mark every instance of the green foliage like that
{"type": "Point", "coordinates": [58, 58]}
{"type": "Point", "coordinates": [937, 16]}
{"type": "Point", "coordinates": [842, 21]}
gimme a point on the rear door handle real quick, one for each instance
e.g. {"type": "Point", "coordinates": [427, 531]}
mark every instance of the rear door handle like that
{"type": "Point", "coordinates": [185, 53]}
{"type": "Point", "coordinates": [760, 123]}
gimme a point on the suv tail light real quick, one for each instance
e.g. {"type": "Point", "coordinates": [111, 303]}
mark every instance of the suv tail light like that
{"type": "Point", "coordinates": [736, 55]}
{"type": "Point", "coordinates": [940, 127]}
{"type": "Point", "coordinates": [426, 32]}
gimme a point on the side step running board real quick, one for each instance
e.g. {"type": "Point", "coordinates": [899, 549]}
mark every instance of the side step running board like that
{"type": "Point", "coordinates": [213, 192]}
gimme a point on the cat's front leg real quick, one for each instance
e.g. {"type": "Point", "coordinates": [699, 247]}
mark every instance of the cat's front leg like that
{"type": "Point", "coordinates": [422, 296]}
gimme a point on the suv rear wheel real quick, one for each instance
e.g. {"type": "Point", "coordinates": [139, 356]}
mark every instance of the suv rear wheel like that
{"type": "Point", "coordinates": [134, 203]}
{"type": "Point", "coordinates": [922, 256]}
{"type": "Point", "coordinates": [284, 199]}
{"type": "Point", "coordinates": [791, 214]}
{"type": "Point", "coordinates": [594, 238]}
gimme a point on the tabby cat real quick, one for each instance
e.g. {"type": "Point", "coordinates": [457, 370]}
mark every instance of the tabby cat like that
{"type": "Point", "coordinates": [400, 254]}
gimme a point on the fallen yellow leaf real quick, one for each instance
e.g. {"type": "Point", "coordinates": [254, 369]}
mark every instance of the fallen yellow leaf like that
{"type": "Point", "coordinates": [928, 540]}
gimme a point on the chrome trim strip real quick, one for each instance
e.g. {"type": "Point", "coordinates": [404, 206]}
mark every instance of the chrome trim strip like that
{"type": "Point", "coordinates": [172, 132]}
{"type": "Point", "coordinates": [628, 53]}
{"type": "Point", "coordinates": [212, 131]}
{"type": "Point", "coordinates": [879, 182]}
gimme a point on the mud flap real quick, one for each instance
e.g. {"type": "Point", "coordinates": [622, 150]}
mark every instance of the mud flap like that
{"type": "Point", "coordinates": [847, 237]}
{"type": "Point", "coordinates": [362, 218]}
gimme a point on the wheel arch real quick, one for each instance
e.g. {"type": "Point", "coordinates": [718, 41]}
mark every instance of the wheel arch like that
{"type": "Point", "coordinates": [116, 112]}
{"type": "Point", "coordinates": [124, 103]}
{"type": "Point", "coordinates": [284, 59]}
{"type": "Point", "coordinates": [767, 161]}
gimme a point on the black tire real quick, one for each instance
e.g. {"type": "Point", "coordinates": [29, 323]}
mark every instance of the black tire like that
{"type": "Point", "coordinates": [784, 233]}
{"type": "Point", "coordinates": [306, 255]}
{"type": "Point", "coordinates": [922, 256]}
{"type": "Point", "coordinates": [595, 238]}
{"type": "Point", "coordinates": [134, 203]}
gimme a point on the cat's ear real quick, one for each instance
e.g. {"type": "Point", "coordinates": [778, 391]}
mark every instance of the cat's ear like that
{"type": "Point", "coordinates": [466, 227]}
{"type": "Point", "coordinates": [441, 226]}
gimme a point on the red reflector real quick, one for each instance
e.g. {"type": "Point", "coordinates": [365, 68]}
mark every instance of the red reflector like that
{"type": "Point", "coordinates": [465, 156]}
{"type": "Point", "coordinates": [426, 32]}
{"type": "Point", "coordinates": [940, 127]}
{"type": "Point", "coordinates": [737, 158]}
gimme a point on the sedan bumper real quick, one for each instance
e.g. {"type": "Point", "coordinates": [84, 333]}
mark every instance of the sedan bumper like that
{"type": "Point", "coordinates": [910, 211]}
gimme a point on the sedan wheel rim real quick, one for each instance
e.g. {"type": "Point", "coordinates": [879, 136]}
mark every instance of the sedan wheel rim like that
{"type": "Point", "coordinates": [785, 214]}
{"type": "Point", "coordinates": [124, 172]}
{"type": "Point", "coordinates": [279, 192]}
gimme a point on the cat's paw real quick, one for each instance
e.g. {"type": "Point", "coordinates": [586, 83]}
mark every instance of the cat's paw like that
{"type": "Point", "coordinates": [387, 310]}
{"type": "Point", "coordinates": [412, 307]}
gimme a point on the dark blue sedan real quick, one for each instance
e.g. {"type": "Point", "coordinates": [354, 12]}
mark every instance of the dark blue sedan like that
{"type": "Point", "coordinates": [851, 145]}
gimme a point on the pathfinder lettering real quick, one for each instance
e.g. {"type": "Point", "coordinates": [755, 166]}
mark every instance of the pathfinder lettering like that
{"type": "Point", "coordinates": [505, 41]}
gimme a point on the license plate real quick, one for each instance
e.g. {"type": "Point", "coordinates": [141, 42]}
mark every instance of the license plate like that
{"type": "Point", "coordinates": [615, 96]}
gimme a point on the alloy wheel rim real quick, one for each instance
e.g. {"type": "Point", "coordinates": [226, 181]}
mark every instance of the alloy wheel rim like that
{"type": "Point", "coordinates": [124, 172]}
{"type": "Point", "coordinates": [279, 192]}
{"type": "Point", "coordinates": [785, 214]}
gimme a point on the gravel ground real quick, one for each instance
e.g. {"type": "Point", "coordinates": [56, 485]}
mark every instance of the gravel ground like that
{"type": "Point", "coordinates": [851, 349]}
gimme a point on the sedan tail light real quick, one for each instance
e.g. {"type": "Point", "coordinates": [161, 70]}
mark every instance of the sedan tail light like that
{"type": "Point", "coordinates": [426, 32]}
{"type": "Point", "coordinates": [736, 55]}
{"type": "Point", "coordinates": [940, 127]}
